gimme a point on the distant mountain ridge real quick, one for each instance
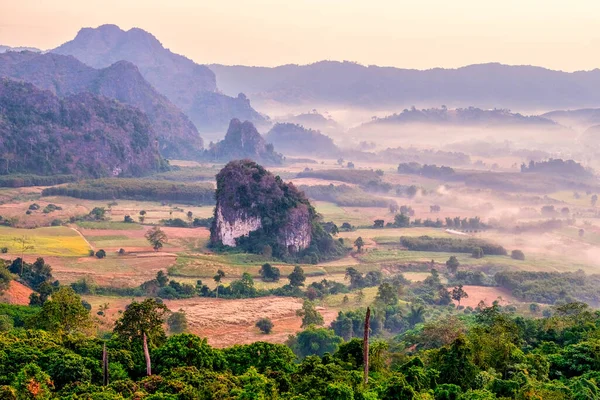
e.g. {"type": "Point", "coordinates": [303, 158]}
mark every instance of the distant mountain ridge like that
{"type": "Point", "coordinates": [83, 135]}
{"type": "Point", "coordinates": [190, 86]}
{"type": "Point", "coordinates": [65, 76]}
{"type": "Point", "coordinates": [4, 49]}
{"type": "Point", "coordinates": [373, 87]}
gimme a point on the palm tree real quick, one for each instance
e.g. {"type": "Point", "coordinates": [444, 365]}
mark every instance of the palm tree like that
{"type": "Point", "coordinates": [220, 275]}
{"type": "Point", "coordinates": [416, 315]}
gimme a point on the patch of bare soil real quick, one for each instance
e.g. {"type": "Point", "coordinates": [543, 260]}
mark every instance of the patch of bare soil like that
{"type": "Point", "coordinates": [486, 294]}
{"type": "Point", "coordinates": [228, 322]}
{"type": "Point", "coordinates": [16, 293]}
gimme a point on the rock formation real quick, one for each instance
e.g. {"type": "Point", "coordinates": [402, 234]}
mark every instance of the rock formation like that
{"type": "Point", "coordinates": [242, 140]}
{"type": "Point", "coordinates": [255, 209]}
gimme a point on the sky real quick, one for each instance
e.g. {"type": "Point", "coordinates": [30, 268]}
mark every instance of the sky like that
{"type": "Point", "coordinates": [562, 35]}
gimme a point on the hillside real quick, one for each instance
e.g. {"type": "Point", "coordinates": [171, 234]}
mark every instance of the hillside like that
{"type": "Point", "coordinates": [373, 87]}
{"type": "Point", "coordinates": [65, 75]}
{"type": "Point", "coordinates": [470, 116]}
{"type": "Point", "coordinates": [192, 87]}
{"type": "Point", "coordinates": [4, 49]}
{"type": "Point", "coordinates": [581, 118]}
{"type": "Point", "coordinates": [313, 120]}
{"type": "Point", "coordinates": [296, 140]}
{"type": "Point", "coordinates": [83, 134]}
{"type": "Point", "coordinates": [242, 140]}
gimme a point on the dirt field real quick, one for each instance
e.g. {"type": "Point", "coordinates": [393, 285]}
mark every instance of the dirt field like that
{"type": "Point", "coordinates": [226, 322]}
{"type": "Point", "coordinates": [486, 294]}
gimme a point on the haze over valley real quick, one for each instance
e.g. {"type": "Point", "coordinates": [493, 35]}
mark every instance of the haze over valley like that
{"type": "Point", "coordinates": [173, 226]}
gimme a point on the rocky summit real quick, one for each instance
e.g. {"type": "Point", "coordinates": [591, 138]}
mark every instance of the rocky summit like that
{"type": "Point", "coordinates": [242, 140]}
{"type": "Point", "coordinates": [256, 209]}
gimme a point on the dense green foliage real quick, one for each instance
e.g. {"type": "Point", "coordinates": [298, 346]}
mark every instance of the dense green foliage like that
{"type": "Point", "coordinates": [451, 245]}
{"type": "Point", "coordinates": [430, 171]}
{"type": "Point", "coordinates": [136, 189]}
{"type": "Point", "coordinates": [489, 354]}
{"type": "Point", "coordinates": [344, 195]}
{"type": "Point", "coordinates": [22, 180]}
{"type": "Point", "coordinates": [551, 287]}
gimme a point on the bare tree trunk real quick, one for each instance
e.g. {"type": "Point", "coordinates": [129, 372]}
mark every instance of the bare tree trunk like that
{"type": "Point", "coordinates": [105, 365]}
{"type": "Point", "coordinates": [366, 347]}
{"type": "Point", "coordinates": [147, 355]}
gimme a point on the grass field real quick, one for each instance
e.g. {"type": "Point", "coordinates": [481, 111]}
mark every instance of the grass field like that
{"type": "Point", "coordinates": [357, 216]}
{"type": "Point", "coordinates": [52, 241]}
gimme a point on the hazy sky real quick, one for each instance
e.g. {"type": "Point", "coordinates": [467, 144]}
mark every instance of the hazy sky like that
{"type": "Point", "coordinates": [411, 34]}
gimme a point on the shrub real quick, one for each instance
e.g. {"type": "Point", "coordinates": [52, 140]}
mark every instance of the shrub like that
{"type": "Point", "coordinates": [517, 255]}
{"type": "Point", "coordinates": [265, 325]}
{"type": "Point", "coordinates": [128, 219]}
{"type": "Point", "coordinates": [4, 250]}
{"type": "Point", "coordinates": [92, 253]}
{"type": "Point", "coordinates": [477, 252]}
{"type": "Point", "coordinates": [100, 253]}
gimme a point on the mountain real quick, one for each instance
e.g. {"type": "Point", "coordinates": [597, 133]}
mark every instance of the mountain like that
{"type": "Point", "coordinates": [294, 139]}
{"type": "Point", "coordinates": [313, 120]}
{"type": "Point", "coordinates": [582, 118]}
{"type": "Point", "coordinates": [192, 87]}
{"type": "Point", "coordinates": [4, 49]}
{"type": "Point", "coordinates": [83, 134]}
{"type": "Point", "coordinates": [242, 140]}
{"type": "Point", "coordinates": [350, 84]}
{"type": "Point", "coordinates": [65, 76]}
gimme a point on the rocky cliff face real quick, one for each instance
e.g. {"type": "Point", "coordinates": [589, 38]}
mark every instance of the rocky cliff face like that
{"type": "Point", "coordinates": [242, 140]}
{"type": "Point", "coordinates": [255, 209]}
{"type": "Point", "coordinates": [83, 134]}
{"type": "Point", "coordinates": [122, 81]}
{"type": "Point", "coordinates": [192, 87]}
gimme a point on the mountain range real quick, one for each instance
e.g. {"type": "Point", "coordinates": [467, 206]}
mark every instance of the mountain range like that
{"type": "Point", "coordinates": [83, 134]}
{"type": "Point", "coordinates": [190, 86]}
{"type": "Point", "coordinates": [490, 85]}
{"type": "Point", "coordinates": [122, 81]}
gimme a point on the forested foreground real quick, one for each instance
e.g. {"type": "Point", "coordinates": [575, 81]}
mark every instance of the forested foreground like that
{"type": "Point", "coordinates": [50, 352]}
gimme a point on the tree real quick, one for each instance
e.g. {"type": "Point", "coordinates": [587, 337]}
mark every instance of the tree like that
{"type": "Point", "coordinates": [265, 325]}
{"type": "Point", "coordinates": [401, 221]}
{"type": "Point", "coordinates": [177, 322]}
{"type": "Point", "coordinates": [387, 294]}
{"type": "Point", "coordinates": [378, 223]}
{"type": "Point", "coordinates": [594, 200]}
{"type": "Point", "coordinates": [217, 278]}
{"type": "Point", "coordinates": [64, 313]}
{"type": "Point", "coordinates": [24, 244]}
{"type": "Point", "coordinates": [5, 278]}
{"type": "Point", "coordinates": [156, 237]}
{"type": "Point", "coordinates": [309, 314]}
{"type": "Point", "coordinates": [297, 277]}
{"type": "Point", "coordinates": [517, 255]}
{"type": "Point", "coordinates": [142, 317]}
{"type": "Point", "coordinates": [190, 216]}
{"type": "Point", "coordinates": [143, 323]}
{"type": "Point", "coordinates": [142, 216]}
{"type": "Point", "coordinates": [359, 243]}
{"type": "Point", "coordinates": [581, 232]}
{"type": "Point", "coordinates": [314, 341]}
{"type": "Point", "coordinates": [452, 264]}
{"type": "Point", "coordinates": [477, 252]}
{"type": "Point", "coordinates": [269, 273]}
{"type": "Point", "coordinates": [534, 308]}
{"type": "Point", "coordinates": [458, 294]}
{"type": "Point", "coordinates": [416, 315]}
{"type": "Point", "coordinates": [101, 253]}
{"type": "Point", "coordinates": [128, 219]}
{"type": "Point", "coordinates": [162, 278]}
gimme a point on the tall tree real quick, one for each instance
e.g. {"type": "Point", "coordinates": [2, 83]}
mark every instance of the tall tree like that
{"type": "Point", "coordinates": [217, 278]}
{"type": "Point", "coordinates": [297, 277]}
{"type": "Point", "coordinates": [458, 294]}
{"type": "Point", "coordinates": [359, 243]}
{"type": "Point", "coordinates": [366, 347]}
{"type": "Point", "coordinates": [309, 314]}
